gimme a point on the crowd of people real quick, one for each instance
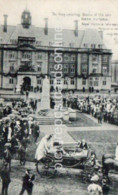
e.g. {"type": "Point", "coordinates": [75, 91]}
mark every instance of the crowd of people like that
{"type": "Point", "coordinates": [16, 128]}
{"type": "Point", "coordinates": [105, 109]}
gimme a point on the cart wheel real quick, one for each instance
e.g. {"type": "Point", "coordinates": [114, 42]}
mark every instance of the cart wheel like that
{"type": "Point", "coordinates": [41, 168]}
{"type": "Point", "coordinates": [44, 171]}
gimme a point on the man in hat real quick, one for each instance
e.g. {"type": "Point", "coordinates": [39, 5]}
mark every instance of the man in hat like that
{"type": "Point", "coordinates": [5, 176]}
{"type": "Point", "coordinates": [27, 182]}
{"type": "Point", "coordinates": [94, 188]}
{"type": "Point", "coordinates": [36, 131]}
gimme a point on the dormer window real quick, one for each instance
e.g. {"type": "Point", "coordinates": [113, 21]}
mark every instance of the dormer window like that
{"type": "Point", "coordinates": [71, 44]}
{"type": "Point", "coordinates": [51, 43]}
{"type": "Point", "coordinates": [93, 46]}
{"type": "Point", "coordinates": [85, 45]}
{"type": "Point", "coordinates": [100, 46]}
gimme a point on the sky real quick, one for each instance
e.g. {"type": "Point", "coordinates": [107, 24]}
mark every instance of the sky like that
{"type": "Point", "coordinates": [65, 12]}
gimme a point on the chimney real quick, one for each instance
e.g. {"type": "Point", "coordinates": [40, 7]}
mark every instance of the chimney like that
{"type": "Point", "coordinates": [101, 34]}
{"type": "Point", "coordinates": [76, 28]}
{"type": "Point", "coordinates": [46, 26]}
{"type": "Point", "coordinates": [5, 23]}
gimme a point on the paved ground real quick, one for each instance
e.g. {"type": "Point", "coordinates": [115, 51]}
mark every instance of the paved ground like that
{"type": "Point", "coordinates": [94, 126]}
{"type": "Point", "coordinates": [47, 129]}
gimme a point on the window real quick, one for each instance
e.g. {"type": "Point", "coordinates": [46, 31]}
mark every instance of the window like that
{"type": "Point", "coordinates": [39, 81]}
{"type": "Point", "coordinates": [11, 68]}
{"type": "Point", "coordinates": [39, 66]}
{"type": "Point", "coordinates": [83, 82]}
{"type": "Point", "coordinates": [26, 55]}
{"type": "Point", "coordinates": [71, 44]}
{"type": "Point", "coordinates": [51, 57]}
{"type": "Point", "coordinates": [94, 58]}
{"type": "Point", "coordinates": [65, 82]}
{"type": "Point", "coordinates": [105, 58]}
{"type": "Point", "coordinates": [73, 58]}
{"type": "Point", "coordinates": [94, 70]}
{"type": "Point", "coordinates": [51, 43]}
{"type": "Point", "coordinates": [104, 82]}
{"type": "Point", "coordinates": [11, 81]}
{"type": "Point", "coordinates": [85, 45]}
{"type": "Point", "coordinates": [58, 81]}
{"type": "Point", "coordinates": [65, 68]}
{"type": "Point", "coordinates": [11, 54]}
{"type": "Point", "coordinates": [90, 78]}
{"type": "Point", "coordinates": [66, 57]}
{"type": "Point", "coordinates": [84, 58]}
{"type": "Point", "coordinates": [104, 70]}
{"type": "Point", "coordinates": [95, 83]}
{"type": "Point", "coordinates": [84, 70]}
{"type": "Point", "coordinates": [93, 45]}
{"type": "Point", "coordinates": [39, 56]}
{"type": "Point", "coordinates": [13, 41]}
{"type": "Point", "coordinates": [51, 82]}
{"type": "Point", "coordinates": [26, 16]}
{"type": "Point", "coordinates": [72, 68]}
{"type": "Point", "coordinates": [72, 81]}
{"type": "Point", "coordinates": [90, 83]}
{"type": "Point", "coordinates": [51, 67]}
{"type": "Point", "coordinates": [100, 46]}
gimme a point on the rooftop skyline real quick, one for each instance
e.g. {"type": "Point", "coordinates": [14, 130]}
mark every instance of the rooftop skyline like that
{"type": "Point", "coordinates": [54, 10]}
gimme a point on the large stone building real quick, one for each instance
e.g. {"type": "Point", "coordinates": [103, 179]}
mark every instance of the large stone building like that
{"type": "Point", "coordinates": [27, 54]}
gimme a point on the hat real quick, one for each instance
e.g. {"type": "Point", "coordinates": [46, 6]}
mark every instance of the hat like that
{"type": "Point", "coordinates": [95, 178]}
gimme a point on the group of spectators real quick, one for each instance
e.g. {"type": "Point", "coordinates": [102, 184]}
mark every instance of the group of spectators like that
{"type": "Point", "coordinates": [16, 128]}
{"type": "Point", "coordinates": [103, 108]}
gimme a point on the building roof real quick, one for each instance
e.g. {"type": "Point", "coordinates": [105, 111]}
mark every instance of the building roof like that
{"type": "Point", "coordinates": [88, 36]}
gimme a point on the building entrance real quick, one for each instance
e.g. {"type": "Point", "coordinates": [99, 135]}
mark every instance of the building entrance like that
{"type": "Point", "coordinates": [26, 84]}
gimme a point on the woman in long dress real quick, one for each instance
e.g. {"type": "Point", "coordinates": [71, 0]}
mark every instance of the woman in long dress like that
{"type": "Point", "coordinates": [43, 147]}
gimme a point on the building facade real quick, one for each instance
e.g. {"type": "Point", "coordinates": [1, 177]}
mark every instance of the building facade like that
{"type": "Point", "coordinates": [27, 55]}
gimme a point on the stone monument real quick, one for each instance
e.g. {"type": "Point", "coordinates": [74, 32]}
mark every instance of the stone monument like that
{"type": "Point", "coordinates": [45, 97]}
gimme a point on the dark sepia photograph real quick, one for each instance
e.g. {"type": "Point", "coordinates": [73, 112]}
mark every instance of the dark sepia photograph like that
{"type": "Point", "coordinates": [58, 97]}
